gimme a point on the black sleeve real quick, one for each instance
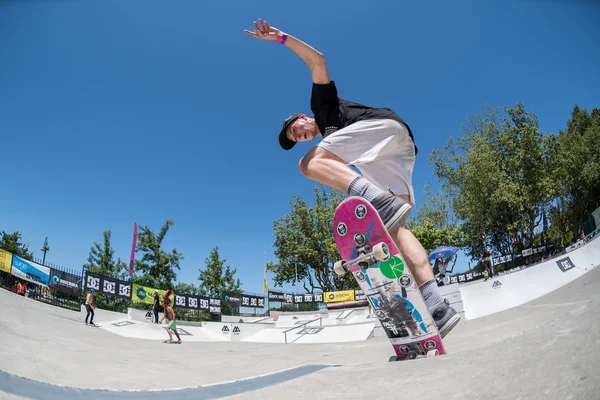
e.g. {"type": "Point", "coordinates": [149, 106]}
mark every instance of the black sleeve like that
{"type": "Point", "coordinates": [323, 95]}
{"type": "Point", "coordinates": [324, 103]}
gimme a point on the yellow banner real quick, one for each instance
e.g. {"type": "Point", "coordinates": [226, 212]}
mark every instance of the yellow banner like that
{"type": "Point", "coordinates": [5, 261]}
{"type": "Point", "coordinates": [334, 297]}
{"type": "Point", "coordinates": [144, 294]}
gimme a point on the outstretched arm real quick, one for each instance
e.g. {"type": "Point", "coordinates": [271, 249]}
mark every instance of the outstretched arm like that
{"type": "Point", "coordinates": [312, 57]}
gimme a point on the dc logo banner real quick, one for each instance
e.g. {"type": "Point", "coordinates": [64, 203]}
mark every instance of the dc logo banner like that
{"type": "Point", "coordinates": [124, 290]}
{"type": "Point", "coordinates": [109, 287]}
{"type": "Point", "coordinates": [180, 301]}
{"type": "Point", "coordinates": [92, 282]}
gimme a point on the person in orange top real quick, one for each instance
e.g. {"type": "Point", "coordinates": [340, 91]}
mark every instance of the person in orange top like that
{"type": "Point", "coordinates": [21, 288]}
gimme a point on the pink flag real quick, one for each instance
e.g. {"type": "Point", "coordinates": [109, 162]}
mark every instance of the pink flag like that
{"type": "Point", "coordinates": [133, 248]}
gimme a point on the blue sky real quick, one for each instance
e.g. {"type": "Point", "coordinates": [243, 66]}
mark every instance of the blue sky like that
{"type": "Point", "coordinates": [119, 111]}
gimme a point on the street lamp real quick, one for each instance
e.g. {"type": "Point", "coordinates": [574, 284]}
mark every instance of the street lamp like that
{"type": "Point", "coordinates": [44, 249]}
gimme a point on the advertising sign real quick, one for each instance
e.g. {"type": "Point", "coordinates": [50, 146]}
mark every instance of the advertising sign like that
{"type": "Point", "coordinates": [65, 282]}
{"type": "Point", "coordinates": [30, 271]}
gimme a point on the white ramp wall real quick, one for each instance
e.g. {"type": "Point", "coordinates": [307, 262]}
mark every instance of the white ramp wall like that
{"type": "Point", "coordinates": [506, 291]}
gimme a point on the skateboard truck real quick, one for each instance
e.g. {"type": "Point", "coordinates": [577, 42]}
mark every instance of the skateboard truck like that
{"type": "Point", "coordinates": [367, 256]}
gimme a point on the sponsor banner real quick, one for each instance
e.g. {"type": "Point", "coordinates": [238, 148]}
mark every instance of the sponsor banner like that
{"type": "Point", "coordinates": [5, 261]}
{"type": "Point", "coordinates": [30, 271]}
{"type": "Point", "coordinates": [289, 298]}
{"type": "Point", "coordinates": [276, 296]}
{"type": "Point", "coordinates": [252, 301]}
{"type": "Point", "coordinates": [359, 295]}
{"type": "Point", "coordinates": [214, 306]}
{"type": "Point", "coordinates": [304, 298]}
{"type": "Point", "coordinates": [333, 297]}
{"type": "Point", "coordinates": [108, 286]}
{"type": "Point", "coordinates": [467, 277]}
{"type": "Point", "coordinates": [235, 299]}
{"type": "Point", "coordinates": [145, 294]}
{"type": "Point", "coordinates": [65, 282]}
{"type": "Point", "coordinates": [203, 302]}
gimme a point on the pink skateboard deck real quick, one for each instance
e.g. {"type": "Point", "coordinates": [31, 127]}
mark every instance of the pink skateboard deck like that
{"type": "Point", "coordinates": [371, 256]}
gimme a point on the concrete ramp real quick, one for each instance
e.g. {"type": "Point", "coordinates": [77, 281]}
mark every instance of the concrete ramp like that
{"type": "Point", "coordinates": [316, 334]}
{"type": "Point", "coordinates": [502, 292]}
{"type": "Point", "coordinates": [145, 330]}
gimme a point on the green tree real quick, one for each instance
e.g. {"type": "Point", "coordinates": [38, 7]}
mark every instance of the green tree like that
{"type": "Point", "coordinates": [497, 178]}
{"type": "Point", "coordinates": [101, 259]}
{"type": "Point", "coordinates": [304, 242]}
{"type": "Point", "coordinates": [217, 278]}
{"type": "Point", "coordinates": [576, 175]}
{"type": "Point", "coordinates": [156, 266]}
{"type": "Point", "coordinates": [11, 242]}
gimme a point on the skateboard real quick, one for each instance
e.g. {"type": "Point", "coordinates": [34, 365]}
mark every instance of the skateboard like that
{"type": "Point", "coordinates": [368, 252]}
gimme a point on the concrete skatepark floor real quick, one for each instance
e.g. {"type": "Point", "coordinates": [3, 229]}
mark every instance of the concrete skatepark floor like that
{"type": "Point", "coordinates": [544, 349]}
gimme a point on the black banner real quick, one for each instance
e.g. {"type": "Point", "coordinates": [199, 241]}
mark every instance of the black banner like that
{"type": "Point", "coordinates": [252, 301]}
{"type": "Point", "coordinates": [203, 303]}
{"type": "Point", "coordinates": [276, 296]}
{"type": "Point", "coordinates": [215, 306]}
{"type": "Point", "coordinates": [466, 277]}
{"type": "Point", "coordinates": [359, 295]}
{"type": "Point", "coordinates": [107, 286]}
{"type": "Point", "coordinates": [65, 282]}
{"type": "Point", "coordinates": [307, 298]}
{"type": "Point", "coordinates": [234, 299]}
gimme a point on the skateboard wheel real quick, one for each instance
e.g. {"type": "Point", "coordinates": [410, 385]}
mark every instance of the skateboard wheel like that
{"type": "Point", "coordinates": [433, 353]}
{"type": "Point", "coordinates": [412, 355]}
{"type": "Point", "coordinates": [381, 251]}
{"type": "Point", "coordinates": [338, 268]}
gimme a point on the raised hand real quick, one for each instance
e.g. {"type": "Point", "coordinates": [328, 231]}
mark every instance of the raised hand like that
{"type": "Point", "coordinates": [263, 31]}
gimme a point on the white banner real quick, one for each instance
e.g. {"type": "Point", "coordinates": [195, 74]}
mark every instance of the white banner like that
{"type": "Point", "coordinates": [30, 271]}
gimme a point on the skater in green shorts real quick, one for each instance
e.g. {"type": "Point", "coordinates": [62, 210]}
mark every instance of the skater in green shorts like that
{"type": "Point", "coordinates": [169, 315]}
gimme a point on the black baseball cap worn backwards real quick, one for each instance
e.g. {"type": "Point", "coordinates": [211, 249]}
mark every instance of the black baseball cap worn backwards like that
{"type": "Point", "coordinates": [284, 142]}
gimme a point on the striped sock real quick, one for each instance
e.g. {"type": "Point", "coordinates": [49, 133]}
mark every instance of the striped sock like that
{"type": "Point", "coordinates": [363, 188]}
{"type": "Point", "coordinates": [431, 294]}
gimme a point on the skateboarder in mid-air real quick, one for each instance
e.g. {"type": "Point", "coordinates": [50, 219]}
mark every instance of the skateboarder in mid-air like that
{"type": "Point", "coordinates": [377, 142]}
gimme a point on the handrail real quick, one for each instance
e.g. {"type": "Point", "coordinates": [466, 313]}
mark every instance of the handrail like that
{"type": "Point", "coordinates": [258, 320]}
{"type": "Point", "coordinates": [345, 316]}
{"type": "Point", "coordinates": [320, 319]}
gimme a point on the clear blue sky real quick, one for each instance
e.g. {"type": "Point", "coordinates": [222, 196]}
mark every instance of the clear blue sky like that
{"type": "Point", "coordinates": [119, 111]}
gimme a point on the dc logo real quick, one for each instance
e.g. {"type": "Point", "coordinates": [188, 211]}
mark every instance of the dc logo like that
{"type": "Point", "coordinates": [360, 276]}
{"type": "Point", "coordinates": [342, 229]}
{"type": "Point", "coordinates": [430, 345]}
{"type": "Point", "coordinates": [141, 293]}
{"type": "Point", "coordinates": [405, 281]}
{"type": "Point", "coordinates": [403, 349]}
{"type": "Point", "coordinates": [331, 296]}
{"type": "Point", "coordinates": [55, 279]}
{"type": "Point", "coordinates": [360, 211]}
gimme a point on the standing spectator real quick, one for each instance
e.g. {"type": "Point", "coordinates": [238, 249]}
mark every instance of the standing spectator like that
{"type": "Point", "coordinates": [156, 305]}
{"type": "Point", "coordinates": [89, 305]}
{"type": "Point", "coordinates": [21, 289]}
{"type": "Point", "coordinates": [440, 268]}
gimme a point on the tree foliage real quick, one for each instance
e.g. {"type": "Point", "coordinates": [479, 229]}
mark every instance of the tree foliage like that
{"type": "Point", "coordinates": [11, 242]}
{"type": "Point", "coordinates": [157, 267]}
{"type": "Point", "coordinates": [101, 259]}
{"type": "Point", "coordinates": [304, 242]}
{"type": "Point", "coordinates": [575, 172]}
{"type": "Point", "coordinates": [497, 178]}
{"type": "Point", "coordinates": [217, 278]}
